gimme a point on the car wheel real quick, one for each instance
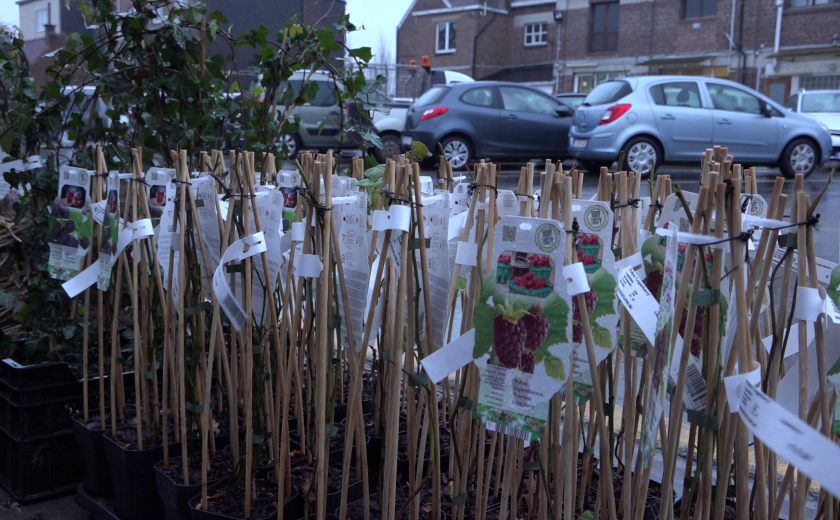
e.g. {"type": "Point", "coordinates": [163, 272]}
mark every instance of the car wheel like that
{"type": "Point", "coordinates": [594, 167]}
{"type": "Point", "coordinates": [292, 142]}
{"type": "Point", "coordinates": [800, 156]}
{"type": "Point", "coordinates": [457, 151]}
{"type": "Point", "coordinates": [391, 145]}
{"type": "Point", "coordinates": [641, 155]}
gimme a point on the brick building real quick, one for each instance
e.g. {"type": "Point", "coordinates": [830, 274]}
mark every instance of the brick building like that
{"type": "Point", "coordinates": [572, 45]}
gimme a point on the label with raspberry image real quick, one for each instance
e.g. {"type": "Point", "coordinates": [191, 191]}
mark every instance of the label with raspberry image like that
{"type": "Point", "coordinates": [71, 223]}
{"type": "Point", "coordinates": [110, 232]}
{"type": "Point", "coordinates": [523, 328]}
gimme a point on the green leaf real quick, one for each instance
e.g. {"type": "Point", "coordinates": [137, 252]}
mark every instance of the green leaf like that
{"type": "Point", "coordinates": [363, 53]}
{"type": "Point", "coordinates": [419, 150]}
{"type": "Point", "coordinates": [834, 284]}
{"type": "Point", "coordinates": [556, 309]}
{"type": "Point", "coordinates": [604, 285]}
{"type": "Point", "coordinates": [7, 299]}
{"type": "Point", "coordinates": [367, 183]}
{"type": "Point", "coordinates": [587, 515]}
{"type": "Point", "coordinates": [602, 337]}
{"type": "Point", "coordinates": [375, 173]}
{"type": "Point", "coordinates": [483, 317]}
{"type": "Point", "coordinates": [555, 368]}
{"type": "Point", "coordinates": [462, 284]}
{"type": "Point", "coordinates": [7, 141]}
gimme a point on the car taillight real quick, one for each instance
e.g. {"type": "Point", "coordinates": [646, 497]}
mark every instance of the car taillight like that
{"type": "Point", "coordinates": [433, 112]}
{"type": "Point", "coordinates": [613, 113]}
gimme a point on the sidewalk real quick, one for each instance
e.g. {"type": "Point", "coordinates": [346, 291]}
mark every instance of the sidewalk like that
{"type": "Point", "coordinates": [63, 507]}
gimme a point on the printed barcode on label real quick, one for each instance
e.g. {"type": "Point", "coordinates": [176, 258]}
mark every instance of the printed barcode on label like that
{"type": "Point", "coordinates": [507, 430]}
{"type": "Point", "coordinates": [695, 386]}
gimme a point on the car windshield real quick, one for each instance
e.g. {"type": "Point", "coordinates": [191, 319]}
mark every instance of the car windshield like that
{"type": "Point", "coordinates": [433, 95]}
{"type": "Point", "coordinates": [608, 92]}
{"type": "Point", "coordinates": [827, 102]}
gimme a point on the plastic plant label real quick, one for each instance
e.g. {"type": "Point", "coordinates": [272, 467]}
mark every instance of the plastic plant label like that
{"type": "Point", "coordinates": [825, 268]}
{"type": "Point", "coordinates": [735, 386]}
{"type": "Point", "coordinates": [450, 358]}
{"type": "Point", "coordinates": [255, 244]}
{"type": "Point", "coordinates": [157, 179]}
{"type": "Point", "coordinates": [655, 404]}
{"type": "Point", "coordinates": [351, 220]}
{"type": "Point", "coordinates": [522, 346]}
{"type": "Point", "coordinates": [673, 211]}
{"type": "Point", "coordinates": [436, 220]}
{"type": "Point", "coordinates": [110, 232]}
{"type": "Point", "coordinates": [791, 438]}
{"type": "Point", "coordinates": [71, 223]}
{"type": "Point", "coordinates": [288, 182]}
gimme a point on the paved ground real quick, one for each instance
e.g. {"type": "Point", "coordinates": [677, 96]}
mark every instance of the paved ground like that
{"type": "Point", "coordinates": [60, 508]}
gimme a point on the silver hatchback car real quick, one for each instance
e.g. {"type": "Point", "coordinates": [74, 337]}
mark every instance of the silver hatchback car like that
{"type": "Point", "coordinates": [673, 119]}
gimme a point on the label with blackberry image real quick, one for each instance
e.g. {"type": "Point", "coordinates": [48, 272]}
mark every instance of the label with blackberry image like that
{"type": "Point", "coordinates": [71, 223]}
{"type": "Point", "coordinates": [110, 232]}
{"type": "Point", "coordinates": [522, 327]}
{"type": "Point", "coordinates": [156, 178]}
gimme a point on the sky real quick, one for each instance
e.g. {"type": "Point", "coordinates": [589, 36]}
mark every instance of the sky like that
{"type": "Point", "coordinates": [9, 12]}
{"type": "Point", "coordinates": [378, 17]}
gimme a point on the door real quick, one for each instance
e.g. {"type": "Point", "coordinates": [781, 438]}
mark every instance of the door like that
{"type": "Point", "coordinates": [777, 89]}
{"type": "Point", "coordinates": [531, 127]}
{"type": "Point", "coordinates": [740, 124]}
{"type": "Point", "coordinates": [482, 116]}
{"type": "Point", "coordinates": [685, 125]}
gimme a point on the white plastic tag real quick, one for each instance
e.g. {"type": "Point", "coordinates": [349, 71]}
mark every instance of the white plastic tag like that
{"type": "Point", "coordinates": [397, 217]}
{"type": "Point", "coordinates": [576, 279]}
{"type": "Point", "coordinates": [467, 254]}
{"type": "Point", "coordinates": [308, 266]}
{"type": "Point", "coordinates": [298, 231]}
{"type": "Point", "coordinates": [450, 358]}
{"type": "Point", "coordinates": [735, 386]}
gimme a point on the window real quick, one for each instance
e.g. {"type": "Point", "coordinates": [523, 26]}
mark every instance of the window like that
{"type": "Point", "coordinates": [700, 8]}
{"type": "Point", "coordinates": [791, 102]}
{"type": "Point", "coordinates": [42, 19]}
{"type": "Point", "coordinates": [525, 100]}
{"type": "Point", "coordinates": [604, 34]}
{"type": "Point", "coordinates": [828, 102]}
{"type": "Point", "coordinates": [325, 97]}
{"type": "Point", "coordinates": [536, 34]}
{"type": "Point", "coordinates": [733, 99]}
{"type": "Point", "coordinates": [681, 94]}
{"type": "Point", "coordinates": [432, 96]}
{"type": "Point", "coordinates": [446, 37]}
{"type": "Point", "coordinates": [480, 97]}
{"type": "Point", "coordinates": [811, 3]}
{"type": "Point", "coordinates": [608, 92]}
{"type": "Point", "coordinates": [819, 82]}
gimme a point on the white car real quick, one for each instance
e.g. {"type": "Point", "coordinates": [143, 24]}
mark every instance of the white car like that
{"type": "Point", "coordinates": [822, 106]}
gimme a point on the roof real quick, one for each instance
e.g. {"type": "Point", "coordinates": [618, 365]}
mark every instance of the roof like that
{"type": "Point", "coordinates": [36, 48]}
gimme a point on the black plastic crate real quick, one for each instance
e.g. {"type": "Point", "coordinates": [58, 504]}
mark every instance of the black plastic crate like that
{"type": "Point", "coordinates": [42, 375]}
{"type": "Point", "coordinates": [49, 418]}
{"type": "Point", "coordinates": [40, 467]}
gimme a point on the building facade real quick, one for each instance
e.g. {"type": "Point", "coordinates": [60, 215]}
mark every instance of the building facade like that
{"type": "Point", "coordinates": [572, 45]}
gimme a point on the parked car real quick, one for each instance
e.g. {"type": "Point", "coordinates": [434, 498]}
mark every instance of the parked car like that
{"type": "Point", "coordinates": [573, 99]}
{"type": "Point", "coordinates": [489, 119]}
{"type": "Point", "coordinates": [673, 119]}
{"type": "Point", "coordinates": [391, 126]}
{"type": "Point", "coordinates": [822, 106]}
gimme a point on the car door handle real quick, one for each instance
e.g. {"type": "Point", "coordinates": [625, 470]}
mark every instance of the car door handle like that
{"type": "Point", "coordinates": [668, 117]}
{"type": "Point", "coordinates": [512, 116]}
{"type": "Point", "coordinates": [724, 122]}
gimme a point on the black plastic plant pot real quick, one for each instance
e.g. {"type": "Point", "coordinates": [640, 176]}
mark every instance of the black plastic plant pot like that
{"type": "Point", "coordinates": [355, 491]}
{"type": "Point", "coordinates": [24, 377]}
{"type": "Point", "coordinates": [292, 506]}
{"type": "Point", "coordinates": [135, 489]}
{"type": "Point", "coordinates": [176, 496]}
{"type": "Point", "coordinates": [98, 481]}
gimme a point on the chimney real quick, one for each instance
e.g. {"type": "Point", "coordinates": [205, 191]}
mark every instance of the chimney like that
{"type": "Point", "coordinates": [49, 30]}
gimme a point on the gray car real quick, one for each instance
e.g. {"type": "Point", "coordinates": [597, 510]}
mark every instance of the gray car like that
{"type": "Point", "coordinates": [673, 119]}
{"type": "Point", "coordinates": [823, 106]}
{"type": "Point", "coordinates": [489, 119]}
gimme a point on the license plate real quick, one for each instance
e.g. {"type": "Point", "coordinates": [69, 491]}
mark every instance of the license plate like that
{"type": "Point", "coordinates": [406, 140]}
{"type": "Point", "coordinates": [580, 143]}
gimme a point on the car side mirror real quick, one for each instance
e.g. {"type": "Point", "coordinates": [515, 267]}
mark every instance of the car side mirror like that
{"type": "Point", "coordinates": [563, 111]}
{"type": "Point", "coordinates": [767, 110]}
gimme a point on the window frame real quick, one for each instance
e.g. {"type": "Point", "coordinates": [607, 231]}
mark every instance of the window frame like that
{"type": "Point", "coordinates": [811, 3]}
{"type": "Point", "coordinates": [702, 4]}
{"type": "Point", "coordinates": [543, 33]}
{"type": "Point", "coordinates": [493, 97]}
{"type": "Point", "coordinates": [447, 49]}
{"type": "Point", "coordinates": [39, 26]}
{"type": "Point", "coordinates": [606, 45]}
